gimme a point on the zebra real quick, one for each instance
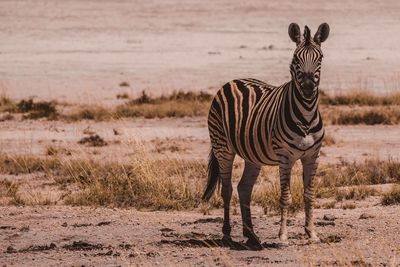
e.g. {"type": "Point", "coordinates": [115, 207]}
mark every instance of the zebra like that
{"type": "Point", "coordinates": [269, 125]}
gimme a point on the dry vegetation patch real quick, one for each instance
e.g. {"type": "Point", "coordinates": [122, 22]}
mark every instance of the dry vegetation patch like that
{"type": "Point", "coordinates": [352, 108]}
{"type": "Point", "coordinates": [361, 99]}
{"type": "Point", "coordinates": [393, 196]}
{"type": "Point", "coordinates": [178, 184]}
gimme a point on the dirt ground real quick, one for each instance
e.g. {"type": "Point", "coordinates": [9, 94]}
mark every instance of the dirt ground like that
{"type": "Point", "coordinates": [185, 138]}
{"type": "Point", "coordinates": [79, 51]}
{"type": "Point", "coordinates": [67, 236]}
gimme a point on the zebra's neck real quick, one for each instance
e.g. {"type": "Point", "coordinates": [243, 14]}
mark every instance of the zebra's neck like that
{"type": "Point", "coordinates": [304, 109]}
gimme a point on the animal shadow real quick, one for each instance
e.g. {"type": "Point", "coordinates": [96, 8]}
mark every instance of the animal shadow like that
{"type": "Point", "coordinates": [218, 242]}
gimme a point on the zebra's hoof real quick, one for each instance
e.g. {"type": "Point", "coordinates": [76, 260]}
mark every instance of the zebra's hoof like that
{"type": "Point", "coordinates": [227, 239]}
{"type": "Point", "coordinates": [312, 236]}
{"type": "Point", "coordinates": [254, 243]}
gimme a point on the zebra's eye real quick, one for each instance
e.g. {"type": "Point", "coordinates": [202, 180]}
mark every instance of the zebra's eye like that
{"type": "Point", "coordinates": [316, 76]}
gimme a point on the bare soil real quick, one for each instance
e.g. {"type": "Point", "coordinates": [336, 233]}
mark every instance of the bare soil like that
{"type": "Point", "coordinates": [75, 236]}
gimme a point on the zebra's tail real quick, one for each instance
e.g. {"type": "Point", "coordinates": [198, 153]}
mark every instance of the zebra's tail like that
{"type": "Point", "coordinates": [213, 176]}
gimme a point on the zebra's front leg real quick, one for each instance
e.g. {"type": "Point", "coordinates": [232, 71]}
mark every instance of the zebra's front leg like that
{"type": "Point", "coordinates": [285, 169]}
{"type": "Point", "coordinates": [310, 166]}
{"type": "Point", "coordinates": [245, 189]}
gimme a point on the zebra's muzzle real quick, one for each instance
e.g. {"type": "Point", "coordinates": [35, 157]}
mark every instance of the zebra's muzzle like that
{"type": "Point", "coordinates": [308, 87]}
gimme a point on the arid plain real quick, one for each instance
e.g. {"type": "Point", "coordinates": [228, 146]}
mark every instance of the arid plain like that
{"type": "Point", "coordinates": [95, 172]}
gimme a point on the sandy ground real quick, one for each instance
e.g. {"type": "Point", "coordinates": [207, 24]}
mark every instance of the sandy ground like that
{"type": "Point", "coordinates": [81, 50]}
{"type": "Point", "coordinates": [182, 138]}
{"type": "Point", "coordinates": [66, 236]}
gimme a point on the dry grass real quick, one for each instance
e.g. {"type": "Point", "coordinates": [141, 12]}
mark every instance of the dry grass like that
{"type": "Point", "coordinates": [36, 110]}
{"type": "Point", "coordinates": [369, 117]}
{"type": "Point", "coordinates": [96, 113]}
{"type": "Point", "coordinates": [178, 104]}
{"type": "Point", "coordinates": [368, 109]}
{"type": "Point", "coordinates": [393, 196]}
{"type": "Point", "coordinates": [361, 98]}
{"type": "Point", "coordinates": [329, 140]}
{"type": "Point", "coordinates": [355, 193]}
{"type": "Point", "coordinates": [267, 194]}
{"type": "Point", "coordinates": [178, 184]}
{"type": "Point", "coordinates": [367, 173]}
{"type": "Point", "coordinates": [93, 140]}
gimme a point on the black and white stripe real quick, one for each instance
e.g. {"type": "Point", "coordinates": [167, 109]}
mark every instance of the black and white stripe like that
{"type": "Point", "coordinates": [268, 125]}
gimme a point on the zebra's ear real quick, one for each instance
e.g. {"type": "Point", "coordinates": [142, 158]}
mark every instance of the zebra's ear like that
{"type": "Point", "coordinates": [294, 32]}
{"type": "Point", "coordinates": [322, 34]}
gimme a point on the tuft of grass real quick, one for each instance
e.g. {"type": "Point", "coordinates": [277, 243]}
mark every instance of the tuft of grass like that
{"type": "Point", "coordinates": [96, 113]}
{"type": "Point", "coordinates": [93, 140]}
{"type": "Point", "coordinates": [392, 197]}
{"type": "Point", "coordinates": [123, 96]}
{"type": "Point", "coordinates": [124, 84]}
{"type": "Point", "coordinates": [7, 105]}
{"type": "Point", "coordinates": [356, 193]}
{"type": "Point", "coordinates": [348, 206]}
{"type": "Point", "coordinates": [36, 110]}
{"type": "Point", "coordinates": [26, 164]}
{"type": "Point", "coordinates": [8, 188]}
{"type": "Point", "coordinates": [329, 140]}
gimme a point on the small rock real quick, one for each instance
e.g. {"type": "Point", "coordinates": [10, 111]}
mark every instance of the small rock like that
{"type": "Point", "coordinates": [64, 224]}
{"type": "Point", "coordinates": [325, 223]}
{"type": "Point", "coordinates": [366, 216]}
{"type": "Point", "coordinates": [329, 217]}
{"type": "Point", "coordinates": [10, 249]}
{"type": "Point", "coordinates": [166, 229]}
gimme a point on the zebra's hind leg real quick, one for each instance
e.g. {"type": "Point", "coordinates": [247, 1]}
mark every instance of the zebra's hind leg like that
{"type": "Point", "coordinates": [226, 164]}
{"type": "Point", "coordinates": [310, 166]}
{"type": "Point", "coordinates": [285, 169]}
{"type": "Point", "coordinates": [245, 189]}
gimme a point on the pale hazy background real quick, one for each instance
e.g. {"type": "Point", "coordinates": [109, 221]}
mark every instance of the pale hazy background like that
{"type": "Point", "coordinates": [80, 50]}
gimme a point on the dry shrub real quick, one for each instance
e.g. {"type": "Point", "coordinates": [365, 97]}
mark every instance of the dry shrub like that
{"type": "Point", "coordinates": [370, 117]}
{"type": "Point", "coordinates": [123, 96]}
{"type": "Point", "coordinates": [178, 104]}
{"type": "Point", "coordinates": [93, 140]}
{"type": "Point", "coordinates": [393, 196]}
{"type": "Point", "coordinates": [124, 84]}
{"type": "Point", "coordinates": [361, 98]}
{"type": "Point", "coordinates": [7, 105]}
{"type": "Point", "coordinates": [36, 110]}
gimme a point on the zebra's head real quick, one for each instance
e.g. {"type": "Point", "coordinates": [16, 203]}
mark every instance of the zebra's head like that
{"type": "Point", "coordinates": [306, 64]}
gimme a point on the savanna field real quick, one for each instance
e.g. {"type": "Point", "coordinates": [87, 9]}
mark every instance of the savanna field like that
{"type": "Point", "coordinates": [104, 139]}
